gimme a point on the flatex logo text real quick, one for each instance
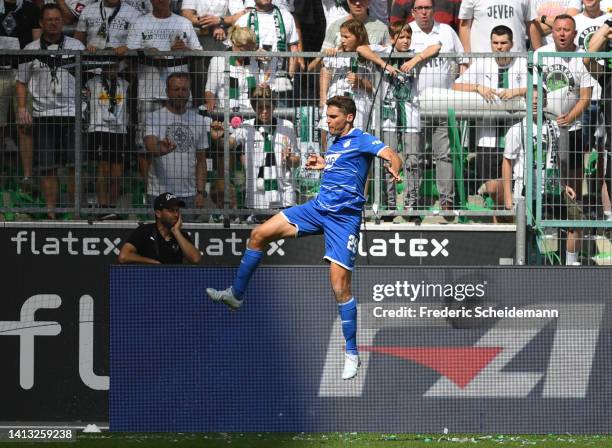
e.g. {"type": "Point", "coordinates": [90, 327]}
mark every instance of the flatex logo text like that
{"type": "Point", "coordinates": [403, 247]}
{"type": "Point", "coordinates": [39, 243]}
{"type": "Point", "coordinates": [29, 242]}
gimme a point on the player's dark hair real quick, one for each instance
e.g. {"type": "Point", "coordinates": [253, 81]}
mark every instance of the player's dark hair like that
{"type": "Point", "coordinates": [502, 30]}
{"type": "Point", "coordinates": [49, 7]}
{"type": "Point", "coordinates": [396, 28]}
{"type": "Point", "coordinates": [344, 103]}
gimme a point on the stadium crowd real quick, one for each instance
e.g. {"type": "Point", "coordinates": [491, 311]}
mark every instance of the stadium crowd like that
{"type": "Point", "coordinates": [156, 119]}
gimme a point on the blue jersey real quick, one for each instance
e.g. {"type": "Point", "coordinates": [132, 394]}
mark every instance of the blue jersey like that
{"type": "Point", "coordinates": [347, 162]}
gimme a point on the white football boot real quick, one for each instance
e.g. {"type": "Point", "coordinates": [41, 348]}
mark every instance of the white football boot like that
{"type": "Point", "coordinates": [226, 297]}
{"type": "Point", "coordinates": [351, 365]}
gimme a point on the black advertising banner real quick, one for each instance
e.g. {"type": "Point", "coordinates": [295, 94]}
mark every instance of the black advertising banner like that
{"type": "Point", "coordinates": [58, 368]}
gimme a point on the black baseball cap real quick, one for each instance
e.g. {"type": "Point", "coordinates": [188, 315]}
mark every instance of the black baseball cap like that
{"type": "Point", "coordinates": [167, 200]}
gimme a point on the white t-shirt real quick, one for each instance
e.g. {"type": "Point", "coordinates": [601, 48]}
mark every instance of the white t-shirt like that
{"type": "Point", "coordinates": [267, 34]}
{"type": "Point", "coordinates": [562, 79]}
{"type": "Point", "coordinates": [91, 21]}
{"type": "Point", "coordinates": [76, 7]}
{"type": "Point", "coordinates": [176, 171]}
{"type": "Point", "coordinates": [53, 91]}
{"type": "Point", "coordinates": [268, 39]}
{"type": "Point", "coordinates": [243, 76]}
{"type": "Point", "coordinates": [487, 14]}
{"type": "Point", "coordinates": [103, 115]}
{"type": "Point", "coordinates": [151, 32]}
{"type": "Point", "coordinates": [207, 7]}
{"type": "Point", "coordinates": [437, 72]}
{"type": "Point", "coordinates": [239, 5]}
{"type": "Point", "coordinates": [251, 138]}
{"type": "Point", "coordinates": [340, 67]}
{"type": "Point", "coordinates": [333, 12]}
{"type": "Point", "coordinates": [586, 27]}
{"type": "Point", "coordinates": [486, 72]}
{"type": "Point", "coordinates": [142, 6]}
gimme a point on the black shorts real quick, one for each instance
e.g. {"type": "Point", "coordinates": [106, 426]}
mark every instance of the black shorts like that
{"type": "Point", "coordinates": [107, 147]}
{"type": "Point", "coordinates": [574, 152]}
{"type": "Point", "coordinates": [561, 207]}
{"type": "Point", "coordinates": [53, 139]}
{"type": "Point", "coordinates": [488, 163]}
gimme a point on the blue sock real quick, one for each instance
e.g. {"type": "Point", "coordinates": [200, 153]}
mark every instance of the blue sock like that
{"type": "Point", "coordinates": [248, 264]}
{"type": "Point", "coordinates": [348, 316]}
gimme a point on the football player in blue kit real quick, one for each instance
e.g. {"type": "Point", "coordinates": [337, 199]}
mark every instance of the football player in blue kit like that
{"type": "Point", "coordinates": [335, 212]}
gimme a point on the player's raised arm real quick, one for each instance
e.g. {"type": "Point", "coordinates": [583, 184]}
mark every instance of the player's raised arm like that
{"type": "Point", "coordinates": [394, 163]}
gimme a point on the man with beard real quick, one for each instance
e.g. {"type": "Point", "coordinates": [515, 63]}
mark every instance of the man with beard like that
{"type": "Point", "coordinates": [161, 242]}
{"type": "Point", "coordinates": [176, 138]}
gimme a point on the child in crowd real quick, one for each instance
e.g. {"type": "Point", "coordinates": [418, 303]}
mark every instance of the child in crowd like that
{"type": "Point", "coordinates": [108, 118]}
{"type": "Point", "coordinates": [347, 76]}
{"type": "Point", "coordinates": [400, 109]}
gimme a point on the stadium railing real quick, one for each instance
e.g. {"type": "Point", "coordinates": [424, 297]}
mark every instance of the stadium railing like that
{"type": "Point", "coordinates": [473, 128]}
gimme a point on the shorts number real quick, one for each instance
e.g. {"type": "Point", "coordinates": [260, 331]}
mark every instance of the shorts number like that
{"type": "Point", "coordinates": [353, 243]}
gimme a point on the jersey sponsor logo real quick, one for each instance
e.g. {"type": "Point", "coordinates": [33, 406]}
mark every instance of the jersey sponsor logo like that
{"type": "Point", "coordinates": [483, 369]}
{"type": "Point", "coordinates": [330, 160]}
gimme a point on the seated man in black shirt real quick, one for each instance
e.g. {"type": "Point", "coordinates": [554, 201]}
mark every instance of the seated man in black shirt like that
{"type": "Point", "coordinates": [162, 242]}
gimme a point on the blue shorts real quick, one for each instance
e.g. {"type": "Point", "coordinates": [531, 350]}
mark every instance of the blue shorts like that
{"type": "Point", "coordinates": [340, 229]}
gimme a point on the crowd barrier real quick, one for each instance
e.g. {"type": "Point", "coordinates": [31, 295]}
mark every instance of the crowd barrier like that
{"type": "Point", "coordinates": [55, 315]}
{"type": "Point", "coordinates": [109, 160]}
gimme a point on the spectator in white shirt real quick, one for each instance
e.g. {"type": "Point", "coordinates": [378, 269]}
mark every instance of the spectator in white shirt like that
{"type": "Point", "coordinates": [479, 17]}
{"type": "Point", "coordinates": [176, 136]}
{"type": "Point", "coordinates": [275, 30]}
{"type": "Point", "coordinates": [494, 79]}
{"type": "Point", "coordinates": [107, 137]}
{"type": "Point", "coordinates": [52, 87]}
{"type": "Point", "coordinates": [159, 31]}
{"type": "Point", "coordinates": [105, 24]}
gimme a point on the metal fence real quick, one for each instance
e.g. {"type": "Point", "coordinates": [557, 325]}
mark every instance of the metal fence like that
{"type": "Point", "coordinates": [86, 135]}
{"type": "Point", "coordinates": [567, 200]}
